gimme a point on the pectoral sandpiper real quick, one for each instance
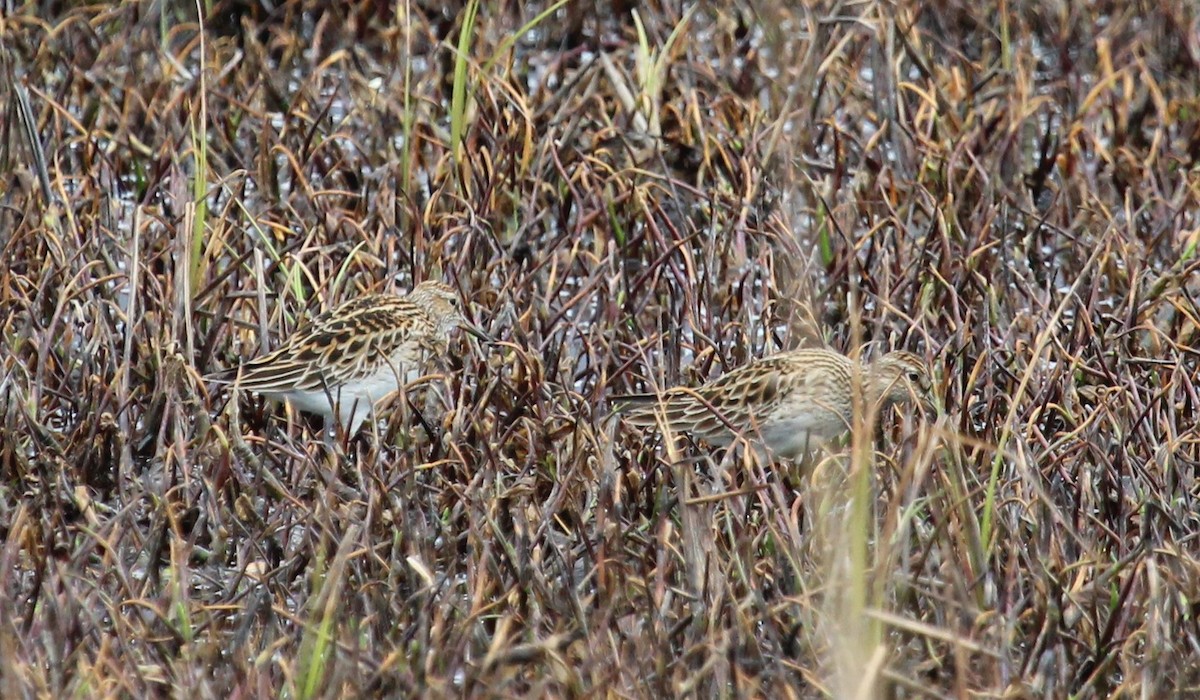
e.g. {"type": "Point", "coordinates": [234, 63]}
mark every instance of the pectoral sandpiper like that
{"type": "Point", "coordinates": [784, 402]}
{"type": "Point", "coordinates": [348, 358]}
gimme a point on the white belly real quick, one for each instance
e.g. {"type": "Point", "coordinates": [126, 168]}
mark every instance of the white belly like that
{"type": "Point", "coordinates": [354, 401]}
{"type": "Point", "coordinates": [794, 435]}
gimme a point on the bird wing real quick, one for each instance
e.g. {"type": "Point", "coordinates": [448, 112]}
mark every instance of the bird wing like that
{"type": "Point", "coordinates": [792, 391]}
{"type": "Point", "coordinates": [336, 346]}
{"type": "Point", "coordinates": [725, 405]}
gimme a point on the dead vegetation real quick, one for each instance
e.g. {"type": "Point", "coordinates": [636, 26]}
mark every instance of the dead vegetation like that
{"type": "Point", "coordinates": [627, 200]}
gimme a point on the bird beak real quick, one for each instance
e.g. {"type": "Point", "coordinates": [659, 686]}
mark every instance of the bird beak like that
{"type": "Point", "coordinates": [478, 333]}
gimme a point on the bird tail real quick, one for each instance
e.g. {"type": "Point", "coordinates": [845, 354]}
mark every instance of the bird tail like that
{"type": "Point", "coordinates": [269, 374]}
{"type": "Point", "coordinates": [622, 401]}
{"type": "Point", "coordinates": [225, 376]}
{"type": "Point", "coordinates": [641, 410]}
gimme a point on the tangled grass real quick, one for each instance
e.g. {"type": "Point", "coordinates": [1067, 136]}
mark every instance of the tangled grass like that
{"type": "Point", "coordinates": [628, 199]}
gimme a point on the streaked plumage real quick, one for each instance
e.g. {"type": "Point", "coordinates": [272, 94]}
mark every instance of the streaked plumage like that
{"type": "Point", "coordinates": [785, 401]}
{"type": "Point", "coordinates": [348, 358]}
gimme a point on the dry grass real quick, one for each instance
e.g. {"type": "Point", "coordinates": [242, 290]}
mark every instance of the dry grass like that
{"type": "Point", "coordinates": [1009, 188]}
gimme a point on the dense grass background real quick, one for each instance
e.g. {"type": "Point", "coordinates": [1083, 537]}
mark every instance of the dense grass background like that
{"type": "Point", "coordinates": [628, 199]}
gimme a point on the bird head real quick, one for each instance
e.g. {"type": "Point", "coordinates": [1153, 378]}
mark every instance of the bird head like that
{"type": "Point", "coordinates": [441, 302]}
{"type": "Point", "coordinates": [898, 377]}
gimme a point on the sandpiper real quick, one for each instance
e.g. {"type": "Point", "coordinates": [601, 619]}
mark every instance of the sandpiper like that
{"type": "Point", "coordinates": [784, 402]}
{"type": "Point", "coordinates": [352, 356]}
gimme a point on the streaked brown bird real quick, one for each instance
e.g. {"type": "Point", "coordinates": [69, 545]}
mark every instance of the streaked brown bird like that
{"type": "Point", "coordinates": [785, 402]}
{"type": "Point", "coordinates": [349, 358]}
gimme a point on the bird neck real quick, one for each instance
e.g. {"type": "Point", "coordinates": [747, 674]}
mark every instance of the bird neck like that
{"type": "Point", "coordinates": [877, 385]}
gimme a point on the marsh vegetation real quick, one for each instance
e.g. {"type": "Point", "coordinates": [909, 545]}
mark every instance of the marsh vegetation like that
{"type": "Point", "coordinates": [629, 196]}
